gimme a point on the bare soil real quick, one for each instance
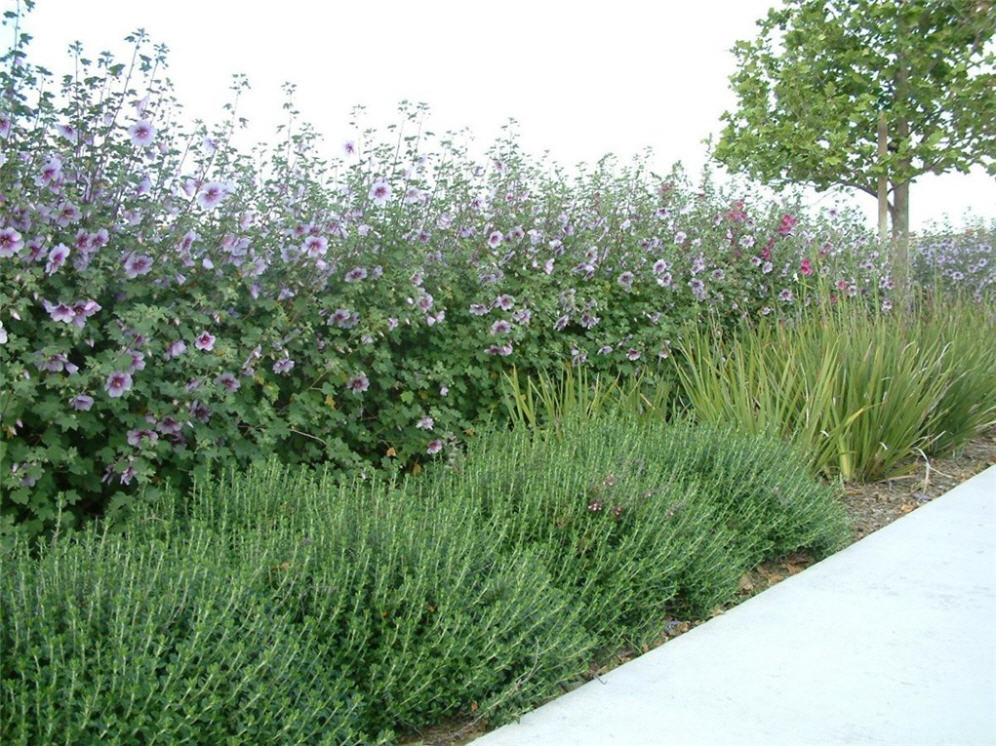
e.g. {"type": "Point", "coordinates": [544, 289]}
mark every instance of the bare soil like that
{"type": "Point", "coordinates": [869, 508]}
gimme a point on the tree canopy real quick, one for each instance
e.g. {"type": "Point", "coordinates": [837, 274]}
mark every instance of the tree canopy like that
{"type": "Point", "coordinates": [824, 75]}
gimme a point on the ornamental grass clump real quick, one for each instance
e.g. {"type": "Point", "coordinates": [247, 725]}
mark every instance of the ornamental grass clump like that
{"type": "Point", "coordinates": [861, 394]}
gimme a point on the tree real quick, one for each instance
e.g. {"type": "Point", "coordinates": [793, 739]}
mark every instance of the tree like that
{"type": "Point", "coordinates": [857, 92]}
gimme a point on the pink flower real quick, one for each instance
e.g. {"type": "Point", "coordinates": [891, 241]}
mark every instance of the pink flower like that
{"type": "Point", "coordinates": [142, 133]}
{"type": "Point", "coordinates": [118, 383]}
{"type": "Point", "coordinates": [349, 148]}
{"type": "Point", "coordinates": [501, 327]}
{"type": "Point", "coordinates": [229, 381]}
{"type": "Point", "coordinates": [175, 350]}
{"type": "Point", "coordinates": [805, 267]}
{"type": "Point", "coordinates": [494, 239]}
{"type": "Point", "coordinates": [434, 447]}
{"type": "Point", "coordinates": [205, 341]}
{"type": "Point", "coordinates": [632, 354]}
{"type": "Point", "coordinates": [426, 423]}
{"type": "Point", "coordinates": [787, 224]}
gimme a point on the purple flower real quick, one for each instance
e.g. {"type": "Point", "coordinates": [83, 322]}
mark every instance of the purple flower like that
{"type": "Point", "coordinates": [10, 242]}
{"type": "Point", "coordinates": [632, 354]}
{"type": "Point", "coordinates": [426, 423]}
{"type": "Point", "coordinates": [504, 302]}
{"type": "Point", "coordinates": [425, 302]}
{"type": "Point", "coordinates": [137, 361]}
{"type": "Point", "coordinates": [137, 437]}
{"type": "Point", "coordinates": [356, 274]}
{"type": "Point", "coordinates": [169, 426]}
{"type": "Point", "coordinates": [212, 195]}
{"type": "Point", "coordinates": [205, 341]}
{"type": "Point", "coordinates": [478, 310]}
{"type": "Point", "coordinates": [561, 323]}
{"type": "Point", "coordinates": [137, 264]}
{"type": "Point", "coordinates": [358, 384]}
{"type": "Point", "coordinates": [81, 402]}
{"type": "Point", "coordinates": [380, 192]}
{"type": "Point", "coordinates": [56, 258]}
{"type": "Point", "coordinates": [315, 246]}
{"type": "Point", "coordinates": [665, 280]}
{"type": "Point", "coordinates": [785, 295]}
{"type": "Point", "coordinates": [625, 280]}
{"type": "Point", "coordinates": [200, 411]}
{"type": "Point", "coordinates": [229, 381]}
{"type": "Point", "coordinates": [588, 321]}
{"type": "Point", "coordinates": [283, 365]}
{"type": "Point", "coordinates": [434, 447]}
{"type": "Point", "coordinates": [175, 350]}
{"type": "Point", "coordinates": [59, 312]}
{"type": "Point", "coordinates": [494, 239]}
{"type": "Point", "coordinates": [605, 350]}
{"type": "Point", "coordinates": [142, 133]}
{"type": "Point", "coordinates": [118, 383]}
{"type": "Point", "coordinates": [501, 327]}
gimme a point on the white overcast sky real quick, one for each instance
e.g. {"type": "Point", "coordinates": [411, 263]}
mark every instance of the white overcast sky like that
{"type": "Point", "coordinates": [582, 78]}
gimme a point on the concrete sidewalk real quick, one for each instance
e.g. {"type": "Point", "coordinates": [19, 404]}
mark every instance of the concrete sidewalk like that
{"type": "Point", "coordinates": [891, 641]}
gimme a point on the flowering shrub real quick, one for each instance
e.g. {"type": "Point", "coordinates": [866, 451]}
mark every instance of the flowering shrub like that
{"type": "Point", "coordinates": [962, 263]}
{"type": "Point", "coordinates": [168, 303]}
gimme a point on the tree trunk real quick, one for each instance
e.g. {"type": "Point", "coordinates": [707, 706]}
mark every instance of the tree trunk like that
{"type": "Point", "coordinates": [903, 167]}
{"type": "Point", "coordinates": [883, 181]}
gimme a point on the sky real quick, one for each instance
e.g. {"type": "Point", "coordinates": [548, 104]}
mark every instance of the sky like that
{"type": "Point", "coordinates": [581, 78]}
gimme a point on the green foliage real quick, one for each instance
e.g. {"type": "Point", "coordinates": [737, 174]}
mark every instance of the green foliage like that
{"type": "Point", "coordinates": [155, 636]}
{"type": "Point", "coordinates": [277, 605]}
{"type": "Point", "coordinates": [636, 519]}
{"type": "Point", "coordinates": [272, 304]}
{"type": "Point", "coordinates": [812, 87]}
{"type": "Point", "coordinates": [546, 401]}
{"type": "Point", "coordinates": [861, 394]}
{"type": "Point", "coordinates": [413, 604]}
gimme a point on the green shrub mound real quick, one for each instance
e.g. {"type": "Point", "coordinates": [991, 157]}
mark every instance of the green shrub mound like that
{"type": "Point", "coordinates": [413, 602]}
{"type": "Point", "coordinates": [636, 520]}
{"type": "Point", "coordinates": [277, 605]}
{"type": "Point", "coordinates": [155, 637]}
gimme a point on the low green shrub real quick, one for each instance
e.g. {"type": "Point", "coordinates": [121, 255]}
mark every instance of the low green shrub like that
{"type": "Point", "coordinates": [154, 637]}
{"type": "Point", "coordinates": [639, 519]}
{"type": "Point", "coordinates": [414, 605]}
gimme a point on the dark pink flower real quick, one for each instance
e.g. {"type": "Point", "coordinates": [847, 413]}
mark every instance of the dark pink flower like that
{"type": "Point", "coordinates": [805, 267]}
